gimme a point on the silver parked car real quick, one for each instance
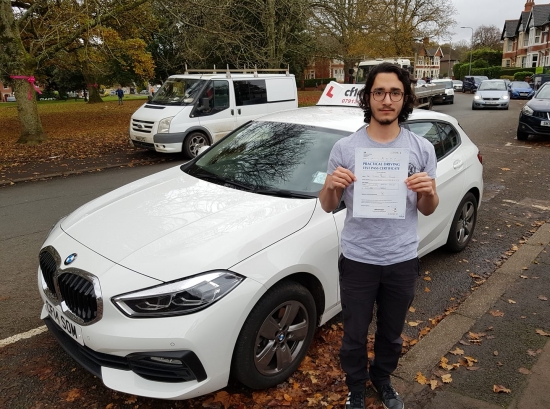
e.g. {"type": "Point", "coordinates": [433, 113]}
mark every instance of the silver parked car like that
{"type": "Point", "coordinates": [491, 94]}
{"type": "Point", "coordinates": [457, 85]}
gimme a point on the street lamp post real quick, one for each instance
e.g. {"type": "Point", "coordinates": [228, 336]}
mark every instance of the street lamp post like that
{"type": "Point", "coordinates": [471, 49]}
{"type": "Point", "coordinates": [450, 50]}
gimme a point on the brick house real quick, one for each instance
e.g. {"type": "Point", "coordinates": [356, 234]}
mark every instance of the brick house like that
{"type": "Point", "coordinates": [5, 91]}
{"type": "Point", "coordinates": [447, 61]}
{"type": "Point", "coordinates": [325, 68]}
{"type": "Point", "coordinates": [428, 61]}
{"type": "Point", "coordinates": [527, 39]}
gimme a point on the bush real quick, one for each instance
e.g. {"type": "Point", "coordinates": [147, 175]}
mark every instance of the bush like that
{"type": "Point", "coordinates": [507, 77]}
{"type": "Point", "coordinates": [313, 82]}
{"type": "Point", "coordinates": [520, 76]}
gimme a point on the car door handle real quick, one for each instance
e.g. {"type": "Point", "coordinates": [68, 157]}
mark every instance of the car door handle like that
{"type": "Point", "coordinates": [232, 112]}
{"type": "Point", "coordinates": [457, 164]}
{"type": "Point", "coordinates": [239, 111]}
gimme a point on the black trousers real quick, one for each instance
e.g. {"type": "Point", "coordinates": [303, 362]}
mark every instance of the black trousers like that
{"type": "Point", "coordinates": [361, 286]}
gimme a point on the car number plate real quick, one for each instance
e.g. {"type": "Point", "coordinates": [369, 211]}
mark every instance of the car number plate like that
{"type": "Point", "coordinates": [491, 102]}
{"type": "Point", "coordinates": [545, 123]}
{"type": "Point", "coordinates": [523, 94]}
{"type": "Point", "coordinates": [70, 328]}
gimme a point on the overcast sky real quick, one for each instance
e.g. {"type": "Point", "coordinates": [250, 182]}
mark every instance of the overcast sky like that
{"type": "Point", "coordinates": [475, 13]}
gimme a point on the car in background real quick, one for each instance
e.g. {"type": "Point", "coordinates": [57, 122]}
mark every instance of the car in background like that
{"type": "Point", "coordinates": [491, 94]}
{"type": "Point", "coordinates": [421, 83]}
{"type": "Point", "coordinates": [457, 85]}
{"type": "Point", "coordinates": [471, 82]}
{"type": "Point", "coordinates": [449, 96]}
{"type": "Point", "coordinates": [227, 264]}
{"type": "Point", "coordinates": [520, 90]}
{"type": "Point", "coordinates": [534, 118]}
{"type": "Point", "coordinates": [10, 98]}
{"type": "Point", "coordinates": [144, 92]}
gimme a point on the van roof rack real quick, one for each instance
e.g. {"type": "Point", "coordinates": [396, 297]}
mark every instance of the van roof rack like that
{"type": "Point", "coordinates": [245, 70]}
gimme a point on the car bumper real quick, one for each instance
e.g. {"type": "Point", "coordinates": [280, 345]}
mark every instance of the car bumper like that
{"type": "Point", "coordinates": [490, 104]}
{"type": "Point", "coordinates": [533, 125]}
{"type": "Point", "coordinates": [118, 348]}
{"type": "Point", "coordinates": [521, 96]}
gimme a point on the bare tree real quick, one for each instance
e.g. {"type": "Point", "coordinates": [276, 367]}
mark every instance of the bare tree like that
{"type": "Point", "coordinates": [488, 36]}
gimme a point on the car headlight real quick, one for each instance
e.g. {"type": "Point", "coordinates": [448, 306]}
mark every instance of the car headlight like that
{"type": "Point", "coordinates": [527, 111]}
{"type": "Point", "coordinates": [180, 297]}
{"type": "Point", "coordinates": [505, 97]}
{"type": "Point", "coordinates": [477, 97]}
{"type": "Point", "coordinates": [164, 125]}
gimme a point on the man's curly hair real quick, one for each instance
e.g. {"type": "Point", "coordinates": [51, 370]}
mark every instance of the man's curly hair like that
{"type": "Point", "coordinates": [405, 78]}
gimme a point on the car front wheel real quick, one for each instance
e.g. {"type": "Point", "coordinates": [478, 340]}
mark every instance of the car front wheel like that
{"type": "Point", "coordinates": [275, 337]}
{"type": "Point", "coordinates": [464, 223]}
{"type": "Point", "coordinates": [193, 142]}
{"type": "Point", "coordinates": [522, 136]}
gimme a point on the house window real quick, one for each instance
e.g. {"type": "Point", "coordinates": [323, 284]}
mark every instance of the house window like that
{"type": "Point", "coordinates": [534, 59]}
{"type": "Point", "coordinates": [523, 62]}
{"type": "Point", "coordinates": [537, 35]}
{"type": "Point", "coordinates": [436, 61]}
{"type": "Point", "coordinates": [420, 60]}
{"type": "Point", "coordinates": [6, 86]}
{"type": "Point", "coordinates": [509, 48]}
{"type": "Point", "coordinates": [312, 74]}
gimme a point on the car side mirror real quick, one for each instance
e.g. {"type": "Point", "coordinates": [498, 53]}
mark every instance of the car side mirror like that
{"type": "Point", "coordinates": [205, 104]}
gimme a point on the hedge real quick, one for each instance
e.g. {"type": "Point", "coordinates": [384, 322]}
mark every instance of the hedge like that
{"type": "Point", "coordinates": [460, 70]}
{"type": "Point", "coordinates": [313, 82]}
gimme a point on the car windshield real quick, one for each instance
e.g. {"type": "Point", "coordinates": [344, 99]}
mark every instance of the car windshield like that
{"type": "Point", "coordinates": [178, 91]}
{"type": "Point", "coordinates": [448, 84]}
{"type": "Point", "coordinates": [544, 93]}
{"type": "Point", "coordinates": [420, 82]}
{"type": "Point", "coordinates": [265, 157]}
{"type": "Point", "coordinates": [492, 86]}
{"type": "Point", "coordinates": [457, 82]}
{"type": "Point", "coordinates": [519, 84]}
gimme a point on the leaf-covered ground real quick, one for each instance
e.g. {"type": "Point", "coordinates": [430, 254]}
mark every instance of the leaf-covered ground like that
{"type": "Point", "coordinates": [76, 129]}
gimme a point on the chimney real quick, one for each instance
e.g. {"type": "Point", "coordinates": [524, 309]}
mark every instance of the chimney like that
{"type": "Point", "coordinates": [529, 5]}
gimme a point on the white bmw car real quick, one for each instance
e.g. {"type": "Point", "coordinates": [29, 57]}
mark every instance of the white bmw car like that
{"type": "Point", "coordinates": [225, 265]}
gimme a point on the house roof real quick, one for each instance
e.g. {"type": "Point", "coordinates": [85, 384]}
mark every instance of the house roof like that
{"type": "Point", "coordinates": [540, 14]}
{"type": "Point", "coordinates": [510, 28]}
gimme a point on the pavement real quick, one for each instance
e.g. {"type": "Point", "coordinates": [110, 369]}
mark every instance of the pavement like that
{"type": "Point", "coordinates": [496, 343]}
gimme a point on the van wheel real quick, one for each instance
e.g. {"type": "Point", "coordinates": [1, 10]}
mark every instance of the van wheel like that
{"type": "Point", "coordinates": [275, 337]}
{"type": "Point", "coordinates": [463, 224]}
{"type": "Point", "coordinates": [193, 142]}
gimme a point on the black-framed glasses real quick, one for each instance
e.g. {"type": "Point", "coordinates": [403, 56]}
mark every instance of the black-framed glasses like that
{"type": "Point", "coordinates": [380, 96]}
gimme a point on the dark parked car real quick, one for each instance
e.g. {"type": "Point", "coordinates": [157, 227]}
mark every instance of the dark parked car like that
{"type": "Point", "coordinates": [520, 89]}
{"type": "Point", "coordinates": [471, 82]}
{"type": "Point", "coordinates": [534, 118]}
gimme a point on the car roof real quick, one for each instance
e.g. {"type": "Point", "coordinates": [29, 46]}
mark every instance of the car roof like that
{"type": "Point", "coordinates": [343, 118]}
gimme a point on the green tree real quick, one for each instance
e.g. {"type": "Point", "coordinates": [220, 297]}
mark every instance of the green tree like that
{"type": "Point", "coordinates": [33, 33]}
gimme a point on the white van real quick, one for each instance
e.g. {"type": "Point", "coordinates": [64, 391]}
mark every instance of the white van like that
{"type": "Point", "coordinates": [193, 110]}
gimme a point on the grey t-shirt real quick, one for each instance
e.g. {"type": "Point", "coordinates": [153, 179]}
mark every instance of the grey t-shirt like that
{"type": "Point", "coordinates": [382, 241]}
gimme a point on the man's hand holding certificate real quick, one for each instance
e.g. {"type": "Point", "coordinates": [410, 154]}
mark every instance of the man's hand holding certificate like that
{"type": "Point", "coordinates": [380, 190]}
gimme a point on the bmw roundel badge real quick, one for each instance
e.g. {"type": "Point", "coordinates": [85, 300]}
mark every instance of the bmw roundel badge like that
{"type": "Point", "coordinates": [70, 259]}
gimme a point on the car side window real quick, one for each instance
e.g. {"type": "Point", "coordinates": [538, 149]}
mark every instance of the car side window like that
{"type": "Point", "coordinates": [250, 92]}
{"type": "Point", "coordinates": [450, 137]}
{"type": "Point", "coordinates": [215, 98]}
{"type": "Point", "coordinates": [430, 131]}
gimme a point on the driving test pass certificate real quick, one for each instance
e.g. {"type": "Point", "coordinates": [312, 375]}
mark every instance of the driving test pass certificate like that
{"type": "Point", "coordinates": [380, 190]}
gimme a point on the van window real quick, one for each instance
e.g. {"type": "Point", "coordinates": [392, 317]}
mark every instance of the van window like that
{"type": "Point", "coordinates": [250, 92]}
{"type": "Point", "coordinates": [217, 93]}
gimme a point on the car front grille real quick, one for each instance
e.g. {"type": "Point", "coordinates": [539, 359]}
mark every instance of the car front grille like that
{"type": "Point", "coordinates": [79, 295]}
{"type": "Point", "coordinates": [145, 127]}
{"type": "Point", "coordinates": [491, 99]}
{"type": "Point", "coordinates": [543, 115]}
{"type": "Point", "coordinates": [76, 290]}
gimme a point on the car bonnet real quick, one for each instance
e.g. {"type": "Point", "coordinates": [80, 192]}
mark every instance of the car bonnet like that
{"type": "Point", "coordinates": [171, 225]}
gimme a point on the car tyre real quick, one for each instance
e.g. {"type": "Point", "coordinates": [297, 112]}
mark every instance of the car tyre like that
{"type": "Point", "coordinates": [473, 107]}
{"type": "Point", "coordinates": [275, 337]}
{"type": "Point", "coordinates": [463, 224]}
{"type": "Point", "coordinates": [522, 136]}
{"type": "Point", "coordinates": [193, 142]}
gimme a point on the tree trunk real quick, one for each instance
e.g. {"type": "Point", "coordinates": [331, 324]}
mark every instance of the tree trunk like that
{"type": "Point", "coordinates": [15, 60]}
{"type": "Point", "coordinates": [93, 94]}
{"type": "Point", "coordinates": [27, 111]}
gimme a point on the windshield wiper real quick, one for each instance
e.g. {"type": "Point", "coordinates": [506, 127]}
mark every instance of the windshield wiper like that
{"type": "Point", "coordinates": [284, 193]}
{"type": "Point", "coordinates": [211, 177]}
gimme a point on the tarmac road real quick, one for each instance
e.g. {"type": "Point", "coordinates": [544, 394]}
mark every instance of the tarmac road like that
{"type": "Point", "coordinates": [515, 204]}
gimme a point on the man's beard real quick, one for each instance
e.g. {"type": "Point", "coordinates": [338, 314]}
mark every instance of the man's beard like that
{"type": "Point", "coordinates": [385, 121]}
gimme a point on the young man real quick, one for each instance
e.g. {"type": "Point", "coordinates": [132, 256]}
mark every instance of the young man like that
{"type": "Point", "coordinates": [379, 260]}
